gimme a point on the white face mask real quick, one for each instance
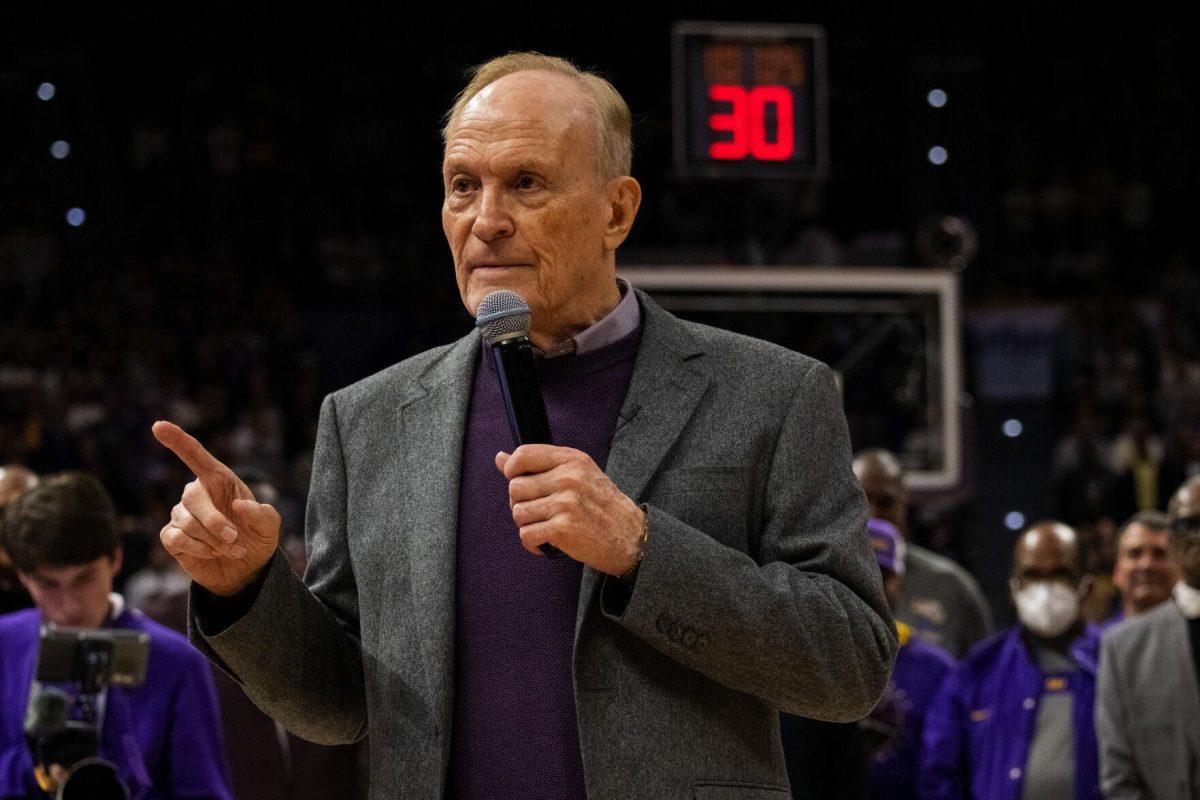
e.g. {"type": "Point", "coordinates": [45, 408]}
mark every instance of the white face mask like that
{"type": "Point", "coordinates": [1048, 608]}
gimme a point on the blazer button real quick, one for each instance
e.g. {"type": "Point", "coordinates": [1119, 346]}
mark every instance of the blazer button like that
{"type": "Point", "coordinates": [689, 638]}
{"type": "Point", "coordinates": [702, 642]}
{"type": "Point", "coordinates": [677, 631]}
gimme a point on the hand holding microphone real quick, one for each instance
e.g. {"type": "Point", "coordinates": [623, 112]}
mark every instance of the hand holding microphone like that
{"type": "Point", "coordinates": [503, 322]}
{"type": "Point", "coordinates": [560, 499]}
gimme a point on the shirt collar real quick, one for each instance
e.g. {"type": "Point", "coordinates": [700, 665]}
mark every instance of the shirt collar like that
{"type": "Point", "coordinates": [614, 326]}
{"type": "Point", "coordinates": [116, 607]}
{"type": "Point", "coordinates": [1188, 600]}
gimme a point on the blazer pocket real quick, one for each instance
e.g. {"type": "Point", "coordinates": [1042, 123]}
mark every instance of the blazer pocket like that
{"type": "Point", "coordinates": [734, 790]}
{"type": "Point", "coordinates": [685, 480]}
{"type": "Point", "coordinates": [713, 500]}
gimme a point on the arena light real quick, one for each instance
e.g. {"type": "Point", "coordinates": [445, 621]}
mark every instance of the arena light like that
{"type": "Point", "coordinates": [1013, 428]}
{"type": "Point", "coordinates": [936, 98]}
{"type": "Point", "coordinates": [76, 217]}
{"type": "Point", "coordinates": [46, 91]}
{"type": "Point", "coordinates": [938, 155]}
{"type": "Point", "coordinates": [1014, 520]}
{"type": "Point", "coordinates": [60, 149]}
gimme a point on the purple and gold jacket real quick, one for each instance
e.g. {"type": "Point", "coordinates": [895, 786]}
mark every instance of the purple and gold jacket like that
{"type": "Point", "coordinates": [979, 729]}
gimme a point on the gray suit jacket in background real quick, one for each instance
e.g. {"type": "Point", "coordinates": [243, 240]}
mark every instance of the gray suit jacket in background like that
{"type": "Point", "coordinates": [758, 590]}
{"type": "Point", "coordinates": [1148, 709]}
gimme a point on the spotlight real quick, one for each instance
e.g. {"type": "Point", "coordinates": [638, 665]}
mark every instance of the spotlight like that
{"type": "Point", "coordinates": [46, 92]}
{"type": "Point", "coordinates": [938, 155]}
{"type": "Point", "coordinates": [60, 149]}
{"type": "Point", "coordinates": [75, 217]}
{"type": "Point", "coordinates": [1013, 428]}
{"type": "Point", "coordinates": [936, 98]}
{"type": "Point", "coordinates": [1014, 520]}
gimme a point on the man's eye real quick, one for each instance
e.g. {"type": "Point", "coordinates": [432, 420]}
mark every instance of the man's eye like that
{"type": "Point", "coordinates": [461, 185]}
{"type": "Point", "coordinates": [527, 182]}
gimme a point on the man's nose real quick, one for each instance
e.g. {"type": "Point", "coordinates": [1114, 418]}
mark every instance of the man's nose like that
{"type": "Point", "coordinates": [493, 221]}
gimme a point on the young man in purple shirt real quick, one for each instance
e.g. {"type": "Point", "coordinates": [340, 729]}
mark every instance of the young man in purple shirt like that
{"type": "Point", "coordinates": [163, 736]}
{"type": "Point", "coordinates": [1015, 718]}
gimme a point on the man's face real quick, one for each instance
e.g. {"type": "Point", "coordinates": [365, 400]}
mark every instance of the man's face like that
{"type": "Point", "coordinates": [74, 596]}
{"type": "Point", "coordinates": [1185, 532]}
{"type": "Point", "coordinates": [1044, 555]}
{"type": "Point", "coordinates": [525, 208]}
{"type": "Point", "coordinates": [893, 588]}
{"type": "Point", "coordinates": [887, 498]}
{"type": "Point", "coordinates": [1145, 570]}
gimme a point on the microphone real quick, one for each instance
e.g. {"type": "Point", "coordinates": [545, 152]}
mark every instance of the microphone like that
{"type": "Point", "coordinates": [46, 714]}
{"type": "Point", "coordinates": [503, 322]}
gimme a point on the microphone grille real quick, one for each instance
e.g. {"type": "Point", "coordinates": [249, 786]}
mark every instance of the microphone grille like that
{"type": "Point", "coordinates": [46, 713]}
{"type": "Point", "coordinates": [502, 313]}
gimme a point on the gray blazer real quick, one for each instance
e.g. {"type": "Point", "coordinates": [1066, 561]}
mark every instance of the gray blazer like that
{"type": "Point", "coordinates": [1148, 709]}
{"type": "Point", "coordinates": [758, 590]}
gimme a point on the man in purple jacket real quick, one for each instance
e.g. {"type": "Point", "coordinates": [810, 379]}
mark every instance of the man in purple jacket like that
{"type": "Point", "coordinates": [164, 736]}
{"type": "Point", "coordinates": [1015, 719]}
{"type": "Point", "coordinates": [893, 729]}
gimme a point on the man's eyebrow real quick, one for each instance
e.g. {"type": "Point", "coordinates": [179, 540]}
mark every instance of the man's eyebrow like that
{"type": "Point", "coordinates": [535, 165]}
{"type": "Point", "coordinates": [538, 165]}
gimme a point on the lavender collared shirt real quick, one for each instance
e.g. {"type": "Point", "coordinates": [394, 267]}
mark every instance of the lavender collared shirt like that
{"type": "Point", "coordinates": [614, 326]}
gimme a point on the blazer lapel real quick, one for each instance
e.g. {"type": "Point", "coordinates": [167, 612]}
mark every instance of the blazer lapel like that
{"type": "Point", "coordinates": [433, 420]}
{"type": "Point", "coordinates": [663, 394]}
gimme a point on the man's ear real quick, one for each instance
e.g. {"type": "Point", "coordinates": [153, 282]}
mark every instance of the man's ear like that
{"type": "Point", "coordinates": [624, 199]}
{"type": "Point", "coordinates": [118, 560]}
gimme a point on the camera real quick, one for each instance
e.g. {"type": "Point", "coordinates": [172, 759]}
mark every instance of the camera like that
{"type": "Point", "coordinates": [65, 717]}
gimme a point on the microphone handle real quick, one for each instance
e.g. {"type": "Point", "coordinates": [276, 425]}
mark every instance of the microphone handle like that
{"type": "Point", "coordinates": [523, 401]}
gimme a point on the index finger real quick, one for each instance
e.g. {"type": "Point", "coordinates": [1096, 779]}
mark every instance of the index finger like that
{"type": "Point", "coordinates": [187, 447]}
{"type": "Point", "coordinates": [534, 458]}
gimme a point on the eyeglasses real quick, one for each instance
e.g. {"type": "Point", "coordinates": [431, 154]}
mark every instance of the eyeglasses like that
{"type": "Point", "coordinates": [1186, 527]}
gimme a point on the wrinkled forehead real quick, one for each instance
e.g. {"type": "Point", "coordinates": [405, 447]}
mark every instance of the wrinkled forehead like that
{"type": "Point", "coordinates": [1139, 535]}
{"type": "Point", "coordinates": [1043, 549]}
{"type": "Point", "coordinates": [532, 105]}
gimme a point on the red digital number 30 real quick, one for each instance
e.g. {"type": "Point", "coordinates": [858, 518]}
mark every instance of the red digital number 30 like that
{"type": "Point", "coordinates": [746, 120]}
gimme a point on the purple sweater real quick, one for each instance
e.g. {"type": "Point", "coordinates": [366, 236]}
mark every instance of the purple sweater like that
{"type": "Point", "coordinates": [515, 732]}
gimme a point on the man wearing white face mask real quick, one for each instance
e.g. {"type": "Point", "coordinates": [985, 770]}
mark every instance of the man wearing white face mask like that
{"type": "Point", "coordinates": [1014, 719]}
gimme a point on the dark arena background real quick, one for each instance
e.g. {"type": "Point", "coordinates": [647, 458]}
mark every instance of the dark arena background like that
{"type": "Point", "coordinates": [218, 221]}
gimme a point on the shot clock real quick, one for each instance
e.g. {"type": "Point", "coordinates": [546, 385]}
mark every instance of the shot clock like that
{"type": "Point", "coordinates": [749, 100]}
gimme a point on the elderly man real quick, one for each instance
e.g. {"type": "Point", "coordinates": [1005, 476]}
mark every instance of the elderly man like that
{"type": "Point", "coordinates": [714, 564]}
{"type": "Point", "coordinates": [1148, 703]}
{"type": "Point", "coordinates": [941, 603]}
{"type": "Point", "coordinates": [1145, 569]}
{"type": "Point", "coordinates": [1014, 719]}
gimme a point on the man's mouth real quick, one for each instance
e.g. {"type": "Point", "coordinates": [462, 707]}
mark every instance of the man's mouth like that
{"type": "Point", "coordinates": [496, 265]}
